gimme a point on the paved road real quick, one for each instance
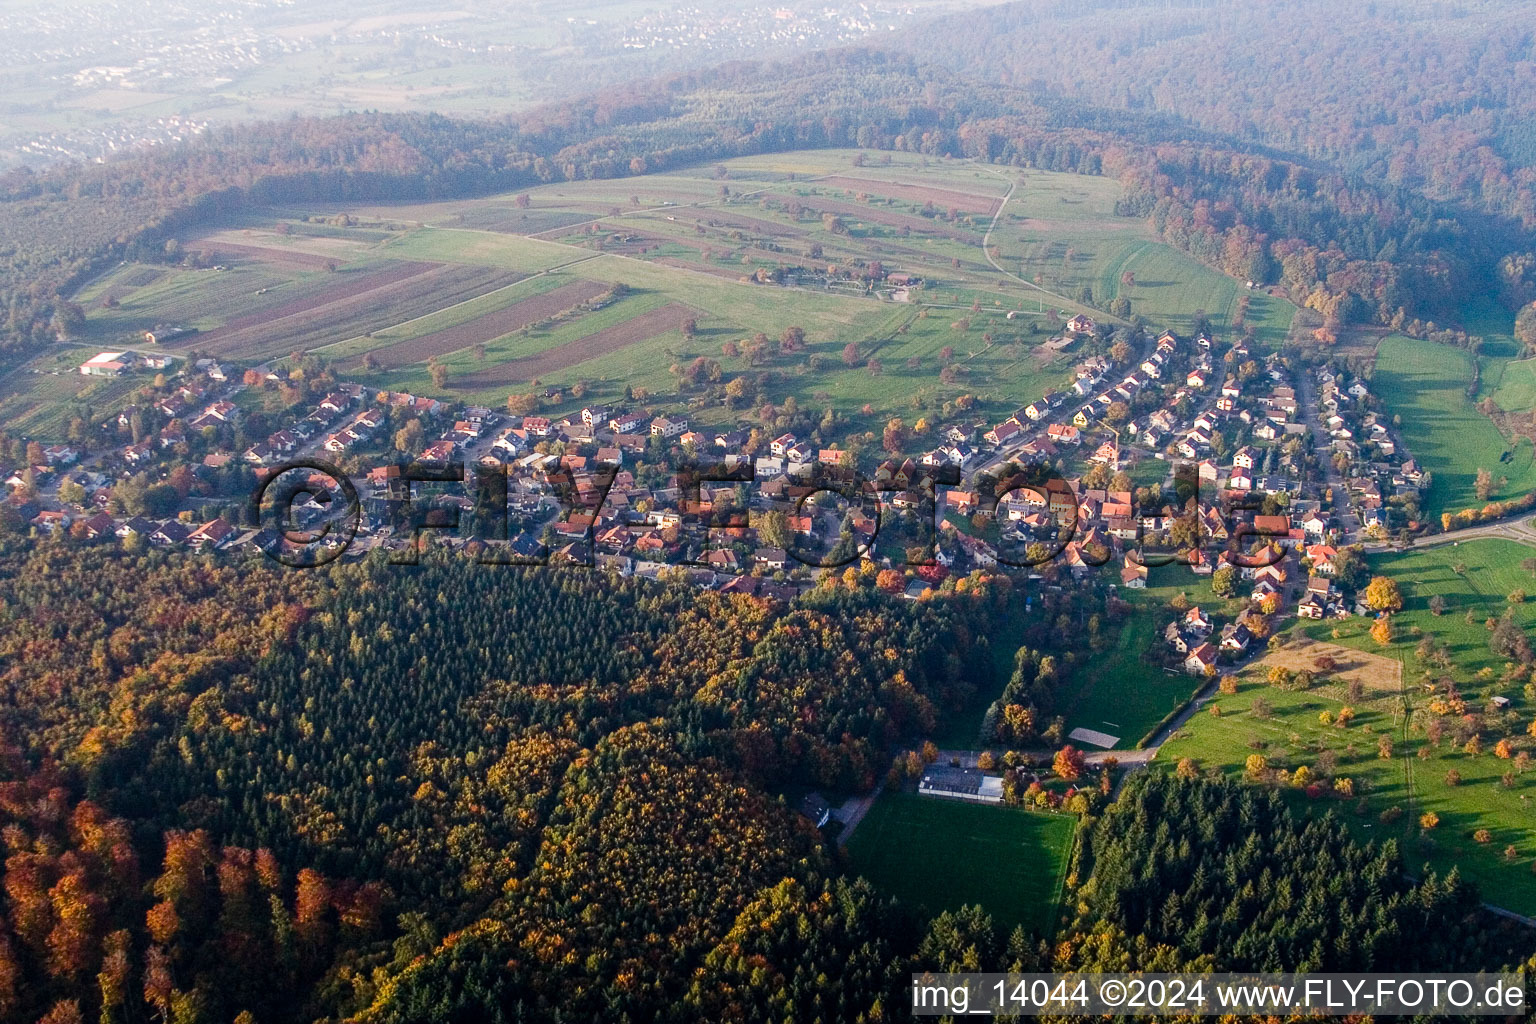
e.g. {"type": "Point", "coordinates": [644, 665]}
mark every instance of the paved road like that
{"type": "Point", "coordinates": [1516, 527]}
{"type": "Point", "coordinates": [1349, 521]}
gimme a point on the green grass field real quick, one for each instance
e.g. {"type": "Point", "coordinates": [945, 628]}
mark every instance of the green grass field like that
{"type": "Point", "coordinates": [1492, 572]}
{"type": "Point", "coordinates": [1062, 229]}
{"type": "Point", "coordinates": [1289, 734]}
{"type": "Point", "coordinates": [938, 854]}
{"type": "Point", "coordinates": [690, 237]}
{"type": "Point", "coordinates": [481, 248]}
{"type": "Point", "coordinates": [1514, 388]}
{"type": "Point", "coordinates": [1425, 384]}
{"type": "Point", "coordinates": [41, 404]}
{"type": "Point", "coordinates": [1121, 692]}
{"type": "Point", "coordinates": [204, 299]}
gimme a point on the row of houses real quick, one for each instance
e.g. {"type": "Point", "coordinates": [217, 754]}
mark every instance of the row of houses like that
{"type": "Point", "coordinates": [1379, 470]}
{"type": "Point", "coordinates": [213, 535]}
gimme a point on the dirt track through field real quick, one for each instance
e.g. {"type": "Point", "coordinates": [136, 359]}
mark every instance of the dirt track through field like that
{"type": "Point", "coordinates": [488, 327]}
{"type": "Point", "coordinates": [610, 339]}
{"type": "Point", "coordinates": [942, 198]}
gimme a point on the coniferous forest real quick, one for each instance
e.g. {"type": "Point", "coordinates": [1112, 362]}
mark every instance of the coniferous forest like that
{"type": "Point", "coordinates": [451, 793]}
{"type": "Point", "coordinates": [231, 792]}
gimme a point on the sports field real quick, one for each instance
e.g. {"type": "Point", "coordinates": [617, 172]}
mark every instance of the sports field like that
{"type": "Point", "coordinates": [938, 854]}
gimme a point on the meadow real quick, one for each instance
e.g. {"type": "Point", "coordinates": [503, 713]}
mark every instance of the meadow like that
{"type": "Point", "coordinates": [1287, 729]}
{"type": "Point", "coordinates": [40, 398]}
{"type": "Point", "coordinates": [693, 240]}
{"type": "Point", "coordinates": [939, 854]}
{"type": "Point", "coordinates": [1425, 384]}
{"type": "Point", "coordinates": [1124, 693]}
{"type": "Point", "coordinates": [1063, 233]}
{"type": "Point", "coordinates": [1489, 571]}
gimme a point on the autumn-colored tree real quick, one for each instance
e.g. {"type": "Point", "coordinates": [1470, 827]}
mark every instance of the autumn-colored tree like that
{"type": "Point", "coordinates": [1382, 594]}
{"type": "Point", "coordinates": [162, 922]}
{"type": "Point", "coordinates": [312, 906]}
{"type": "Point", "coordinates": [1019, 723]}
{"type": "Point", "coordinates": [1068, 763]}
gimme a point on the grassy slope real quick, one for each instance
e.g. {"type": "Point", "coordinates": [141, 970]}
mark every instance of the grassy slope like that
{"type": "Point", "coordinates": [1120, 692]}
{"type": "Point", "coordinates": [41, 404]}
{"type": "Point", "coordinates": [451, 316]}
{"type": "Point", "coordinates": [941, 854]}
{"type": "Point", "coordinates": [1425, 383]}
{"type": "Point", "coordinates": [481, 248]}
{"type": "Point", "coordinates": [1294, 736]}
{"type": "Point", "coordinates": [1073, 215]}
{"type": "Point", "coordinates": [1050, 210]}
{"type": "Point", "coordinates": [1492, 572]}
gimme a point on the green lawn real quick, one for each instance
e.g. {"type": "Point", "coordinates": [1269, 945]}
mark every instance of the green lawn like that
{"type": "Point", "coordinates": [482, 248]}
{"type": "Point", "coordinates": [1492, 573]}
{"type": "Point", "coordinates": [1120, 691]}
{"type": "Point", "coordinates": [939, 854]}
{"type": "Point", "coordinates": [1290, 735]}
{"type": "Point", "coordinates": [1425, 383]}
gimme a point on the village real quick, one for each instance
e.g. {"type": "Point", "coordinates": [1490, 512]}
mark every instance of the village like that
{"type": "Point", "coordinates": [1177, 449]}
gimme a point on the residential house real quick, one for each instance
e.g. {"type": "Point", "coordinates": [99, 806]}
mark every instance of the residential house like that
{"type": "Point", "coordinates": [1003, 433]}
{"type": "Point", "coordinates": [628, 423]}
{"type": "Point", "coordinates": [215, 533]}
{"type": "Point", "coordinates": [1201, 660]}
{"type": "Point", "coordinates": [668, 426]}
{"type": "Point", "coordinates": [168, 534]}
{"type": "Point", "coordinates": [770, 558]}
{"type": "Point", "coordinates": [1063, 433]}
